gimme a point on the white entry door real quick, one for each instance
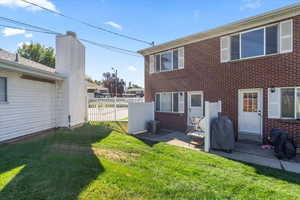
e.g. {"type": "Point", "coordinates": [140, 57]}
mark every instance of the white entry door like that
{"type": "Point", "coordinates": [195, 105]}
{"type": "Point", "coordinates": [250, 111]}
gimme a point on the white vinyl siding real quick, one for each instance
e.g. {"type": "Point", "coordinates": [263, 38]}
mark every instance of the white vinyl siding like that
{"type": "Point", "coordinates": [168, 60]}
{"type": "Point", "coordinates": [172, 102]}
{"type": "Point", "coordinates": [262, 41]}
{"type": "Point", "coordinates": [30, 107]}
{"type": "Point", "coordinates": [284, 103]}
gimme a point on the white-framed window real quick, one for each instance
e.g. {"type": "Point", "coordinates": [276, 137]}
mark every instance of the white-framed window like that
{"type": "Point", "coordinates": [167, 61]}
{"type": "Point", "coordinates": [3, 89]}
{"type": "Point", "coordinates": [267, 40]}
{"type": "Point", "coordinates": [172, 102]}
{"type": "Point", "coordinates": [284, 103]}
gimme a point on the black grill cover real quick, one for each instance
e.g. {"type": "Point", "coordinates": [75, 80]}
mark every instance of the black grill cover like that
{"type": "Point", "coordinates": [222, 134]}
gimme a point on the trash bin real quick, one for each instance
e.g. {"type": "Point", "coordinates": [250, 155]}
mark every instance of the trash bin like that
{"type": "Point", "coordinates": [153, 126]}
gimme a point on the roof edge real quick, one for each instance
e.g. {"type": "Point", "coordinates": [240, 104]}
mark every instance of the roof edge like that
{"type": "Point", "coordinates": [261, 19]}
{"type": "Point", "coordinates": [17, 67]}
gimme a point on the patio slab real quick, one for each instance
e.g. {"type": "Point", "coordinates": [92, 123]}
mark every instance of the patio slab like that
{"type": "Point", "coordinates": [291, 166]}
{"type": "Point", "coordinates": [250, 158]}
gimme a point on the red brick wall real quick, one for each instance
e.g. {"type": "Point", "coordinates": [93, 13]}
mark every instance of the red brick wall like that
{"type": "Point", "coordinates": [221, 81]}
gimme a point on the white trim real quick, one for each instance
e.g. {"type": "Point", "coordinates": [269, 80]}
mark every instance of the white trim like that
{"type": "Point", "coordinates": [261, 93]}
{"type": "Point", "coordinates": [189, 93]}
{"type": "Point", "coordinates": [288, 36]}
{"type": "Point", "coordinates": [16, 67]}
{"type": "Point", "coordinates": [295, 103]}
{"type": "Point", "coordinates": [264, 29]}
{"type": "Point", "coordinates": [171, 112]}
{"type": "Point", "coordinates": [255, 21]}
{"type": "Point", "coordinates": [172, 67]}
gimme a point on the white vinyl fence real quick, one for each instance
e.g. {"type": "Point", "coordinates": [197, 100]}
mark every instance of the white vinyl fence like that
{"type": "Point", "coordinates": [139, 115]}
{"type": "Point", "coordinates": [110, 109]}
{"type": "Point", "coordinates": [211, 112]}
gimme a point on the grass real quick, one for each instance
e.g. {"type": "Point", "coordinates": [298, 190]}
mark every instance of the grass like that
{"type": "Point", "coordinates": [99, 161]}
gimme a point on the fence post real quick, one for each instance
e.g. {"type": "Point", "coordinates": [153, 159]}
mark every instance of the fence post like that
{"type": "Point", "coordinates": [115, 108]}
{"type": "Point", "coordinates": [207, 129]}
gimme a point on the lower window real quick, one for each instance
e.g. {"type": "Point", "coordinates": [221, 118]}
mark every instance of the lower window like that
{"type": "Point", "coordinates": [290, 103]}
{"type": "Point", "coordinates": [3, 89]}
{"type": "Point", "coordinates": [169, 102]}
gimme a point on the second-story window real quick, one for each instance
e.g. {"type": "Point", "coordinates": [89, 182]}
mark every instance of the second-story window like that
{"type": "Point", "coordinates": [167, 60]}
{"type": "Point", "coordinates": [267, 40]}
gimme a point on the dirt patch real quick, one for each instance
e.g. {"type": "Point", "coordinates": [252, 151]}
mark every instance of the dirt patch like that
{"type": "Point", "coordinates": [107, 153]}
{"type": "Point", "coordinates": [116, 155]}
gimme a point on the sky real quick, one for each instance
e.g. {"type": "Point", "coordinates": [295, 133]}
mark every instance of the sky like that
{"type": "Point", "coordinates": [150, 20]}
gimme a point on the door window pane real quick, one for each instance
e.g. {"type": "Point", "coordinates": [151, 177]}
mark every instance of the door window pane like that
{"type": "Point", "coordinates": [157, 102]}
{"type": "Point", "coordinates": [250, 102]}
{"type": "Point", "coordinates": [166, 61]}
{"type": "Point", "coordinates": [3, 91]}
{"type": "Point", "coordinates": [196, 100]}
{"type": "Point", "coordinates": [272, 39]}
{"type": "Point", "coordinates": [157, 63]}
{"type": "Point", "coordinates": [175, 59]}
{"type": "Point", "coordinates": [175, 102]}
{"type": "Point", "coordinates": [166, 102]}
{"type": "Point", "coordinates": [288, 102]}
{"type": "Point", "coordinates": [235, 47]}
{"type": "Point", "coordinates": [252, 43]}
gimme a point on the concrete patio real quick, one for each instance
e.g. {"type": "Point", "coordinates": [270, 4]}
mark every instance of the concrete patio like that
{"type": "Point", "coordinates": [245, 151]}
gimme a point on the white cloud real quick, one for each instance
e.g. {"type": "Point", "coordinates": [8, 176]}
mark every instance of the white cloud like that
{"type": "Point", "coordinates": [11, 31]}
{"type": "Point", "coordinates": [28, 35]}
{"type": "Point", "coordinates": [132, 68]}
{"type": "Point", "coordinates": [21, 44]}
{"type": "Point", "coordinates": [115, 25]}
{"type": "Point", "coordinates": [250, 4]}
{"type": "Point", "coordinates": [18, 3]}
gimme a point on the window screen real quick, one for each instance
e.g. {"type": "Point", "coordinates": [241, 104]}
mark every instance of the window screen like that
{"type": "Point", "coordinates": [166, 102]}
{"type": "Point", "coordinates": [166, 61]}
{"type": "Point", "coordinates": [175, 102]}
{"type": "Point", "coordinates": [196, 100]}
{"type": "Point", "coordinates": [3, 89]}
{"type": "Point", "coordinates": [272, 39]}
{"type": "Point", "coordinates": [175, 59]}
{"type": "Point", "coordinates": [157, 102]}
{"type": "Point", "coordinates": [157, 63]}
{"type": "Point", "coordinates": [252, 43]}
{"type": "Point", "coordinates": [235, 47]}
{"type": "Point", "coordinates": [288, 102]}
{"type": "Point", "coordinates": [298, 103]}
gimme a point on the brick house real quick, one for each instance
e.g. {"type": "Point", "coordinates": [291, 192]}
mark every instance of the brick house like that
{"type": "Point", "coordinates": [252, 66]}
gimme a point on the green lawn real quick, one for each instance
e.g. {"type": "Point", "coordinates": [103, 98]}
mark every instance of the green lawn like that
{"type": "Point", "coordinates": [99, 161]}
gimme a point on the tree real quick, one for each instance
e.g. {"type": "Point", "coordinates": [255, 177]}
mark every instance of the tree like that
{"type": "Point", "coordinates": [132, 85]}
{"type": "Point", "coordinates": [110, 80]}
{"type": "Point", "coordinates": [38, 53]}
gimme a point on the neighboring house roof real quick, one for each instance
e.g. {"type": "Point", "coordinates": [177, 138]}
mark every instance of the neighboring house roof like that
{"type": "Point", "coordinates": [90, 85]}
{"type": "Point", "coordinates": [134, 89]}
{"type": "Point", "coordinates": [10, 62]}
{"type": "Point", "coordinates": [265, 18]}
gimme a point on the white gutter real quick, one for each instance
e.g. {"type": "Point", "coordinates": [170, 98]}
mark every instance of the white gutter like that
{"type": "Point", "coordinates": [244, 24]}
{"type": "Point", "coordinates": [17, 67]}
